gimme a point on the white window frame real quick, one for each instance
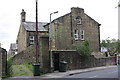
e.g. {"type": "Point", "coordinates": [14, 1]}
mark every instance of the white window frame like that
{"type": "Point", "coordinates": [82, 36]}
{"type": "Point", "coordinates": [76, 34]}
{"type": "Point", "coordinates": [31, 39]}
{"type": "Point", "coordinates": [79, 20]}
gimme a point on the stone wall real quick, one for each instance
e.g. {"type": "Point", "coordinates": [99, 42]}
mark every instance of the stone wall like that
{"type": "Point", "coordinates": [76, 61]}
{"type": "Point", "coordinates": [29, 55]}
{"type": "Point", "coordinates": [3, 62]}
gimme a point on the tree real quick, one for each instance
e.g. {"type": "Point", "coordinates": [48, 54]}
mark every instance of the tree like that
{"type": "Point", "coordinates": [103, 43]}
{"type": "Point", "coordinates": [118, 46]}
{"type": "Point", "coordinates": [118, 5]}
{"type": "Point", "coordinates": [111, 45]}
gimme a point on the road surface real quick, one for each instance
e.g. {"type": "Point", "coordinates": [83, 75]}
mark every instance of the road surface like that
{"type": "Point", "coordinates": [107, 73]}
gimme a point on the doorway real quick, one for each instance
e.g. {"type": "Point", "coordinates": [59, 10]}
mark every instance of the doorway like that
{"type": "Point", "coordinates": [56, 61]}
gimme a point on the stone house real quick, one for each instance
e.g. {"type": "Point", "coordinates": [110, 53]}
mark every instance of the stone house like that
{"type": "Point", "coordinates": [26, 34]}
{"type": "Point", "coordinates": [74, 27]}
{"type": "Point", "coordinates": [71, 28]}
{"type": "Point", "coordinates": [13, 49]}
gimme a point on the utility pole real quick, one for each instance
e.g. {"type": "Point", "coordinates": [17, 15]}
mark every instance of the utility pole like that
{"type": "Point", "coordinates": [36, 66]}
{"type": "Point", "coordinates": [37, 46]}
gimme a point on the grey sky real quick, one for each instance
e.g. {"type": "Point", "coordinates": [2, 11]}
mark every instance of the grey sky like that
{"type": "Point", "coordinates": [103, 11]}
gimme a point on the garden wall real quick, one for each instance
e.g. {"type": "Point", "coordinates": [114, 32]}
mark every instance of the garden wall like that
{"type": "Point", "coordinates": [76, 61]}
{"type": "Point", "coordinates": [3, 62]}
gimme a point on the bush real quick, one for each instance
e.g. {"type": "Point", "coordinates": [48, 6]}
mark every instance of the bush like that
{"type": "Point", "coordinates": [9, 67]}
{"type": "Point", "coordinates": [83, 48]}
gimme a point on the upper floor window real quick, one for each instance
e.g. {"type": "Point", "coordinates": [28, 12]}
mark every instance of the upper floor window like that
{"type": "Point", "coordinates": [31, 38]}
{"type": "Point", "coordinates": [76, 34]}
{"type": "Point", "coordinates": [82, 34]}
{"type": "Point", "coordinates": [79, 20]}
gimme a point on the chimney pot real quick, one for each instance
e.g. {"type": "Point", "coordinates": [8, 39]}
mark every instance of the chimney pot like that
{"type": "Point", "coordinates": [23, 14]}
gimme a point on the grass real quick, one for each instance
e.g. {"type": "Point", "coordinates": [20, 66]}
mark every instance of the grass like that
{"type": "Point", "coordinates": [9, 67]}
{"type": "Point", "coordinates": [29, 66]}
{"type": "Point", "coordinates": [19, 70]}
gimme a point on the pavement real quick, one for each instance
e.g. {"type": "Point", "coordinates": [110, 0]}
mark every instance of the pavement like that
{"type": "Point", "coordinates": [57, 74]}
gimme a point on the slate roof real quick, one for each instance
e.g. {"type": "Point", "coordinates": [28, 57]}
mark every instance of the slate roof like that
{"type": "Point", "coordinates": [31, 26]}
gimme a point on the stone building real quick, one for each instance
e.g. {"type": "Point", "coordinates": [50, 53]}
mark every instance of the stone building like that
{"type": "Point", "coordinates": [71, 28]}
{"type": "Point", "coordinates": [13, 49]}
{"type": "Point", "coordinates": [3, 62]}
{"type": "Point", "coordinates": [74, 27]}
{"type": "Point", "coordinates": [26, 34]}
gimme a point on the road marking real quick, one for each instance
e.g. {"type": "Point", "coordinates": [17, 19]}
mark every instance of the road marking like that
{"type": "Point", "coordinates": [93, 76]}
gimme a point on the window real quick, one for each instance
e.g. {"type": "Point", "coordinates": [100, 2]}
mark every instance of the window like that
{"type": "Point", "coordinates": [78, 19]}
{"type": "Point", "coordinates": [76, 34]}
{"type": "Point", "coordinates": [82, 34]}
{"type": "Point", "coordinates": [31, 39]}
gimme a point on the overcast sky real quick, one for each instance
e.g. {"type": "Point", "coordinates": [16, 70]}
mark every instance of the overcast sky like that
{"type": "Point", "coordinates": [103, 11]}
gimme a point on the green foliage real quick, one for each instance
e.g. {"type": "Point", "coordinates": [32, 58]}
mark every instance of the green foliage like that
{"type": "Point", "coordinates": [9, 67]}
{"type": "Point", "coordinates": [15, 70]}
{"type": "Point", "coordinates": [118, 47]}
{"type": "Point", "coordinates": [111, 44]}
{"type": "Point", "coordinates": [119, 5]}
{"type": "Point", "coordinates": [103, 43]}
{"type": "Point", "coordinates": [83, 48]}
{"type": "Point", "coordinates": [19, 70]}
{"type": "Point", "coordinates": [29, 66]}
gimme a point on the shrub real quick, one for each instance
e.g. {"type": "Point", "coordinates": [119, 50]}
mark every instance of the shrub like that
{"type": "Point", "coordinates": [9, 67]}
{"type": "Point", "coordinates": [83, 48]}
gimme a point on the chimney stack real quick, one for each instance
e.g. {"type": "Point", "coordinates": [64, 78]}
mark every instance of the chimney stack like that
{"type": "Point", "coordinates": [23, 13]}
{"type": "Point", "coordinates": [77, 10]}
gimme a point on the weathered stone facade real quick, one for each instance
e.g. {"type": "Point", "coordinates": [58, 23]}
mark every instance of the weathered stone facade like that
{"type": "Point", "coordinates": [76, 61]}
{"type": "Point", "coordinates": [29, 55]}
{"type": "Point", "coordinates": [64, 27]}
{"type": "Point", "coordinates": [3, 62]}
{"type": "Point", "coordinates": [74, 27]}
{"type": "Point", "coordinates": [13, 49]}
{"type": "Point", "coordinates": [21, 39]}
{"type": "Point", "coordinates": [27, 30]}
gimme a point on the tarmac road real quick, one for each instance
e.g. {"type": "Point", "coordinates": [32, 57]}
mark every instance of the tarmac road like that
{"type": "Point", "coordinates": [107, 73]}
{"type": "Point", "coordinates": [102, 74]}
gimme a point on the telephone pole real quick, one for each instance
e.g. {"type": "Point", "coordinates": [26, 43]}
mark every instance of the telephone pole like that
{"type": "Point", "coordinates": [37, 45]}
{"type": "Point", "coordinates": [36, 66]}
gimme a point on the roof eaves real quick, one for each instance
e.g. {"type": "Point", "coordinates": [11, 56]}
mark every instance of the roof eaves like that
{"type": "Point", "coordinates": [93, 20]}
{"type": "Point", "coordinates": [57, 19]}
